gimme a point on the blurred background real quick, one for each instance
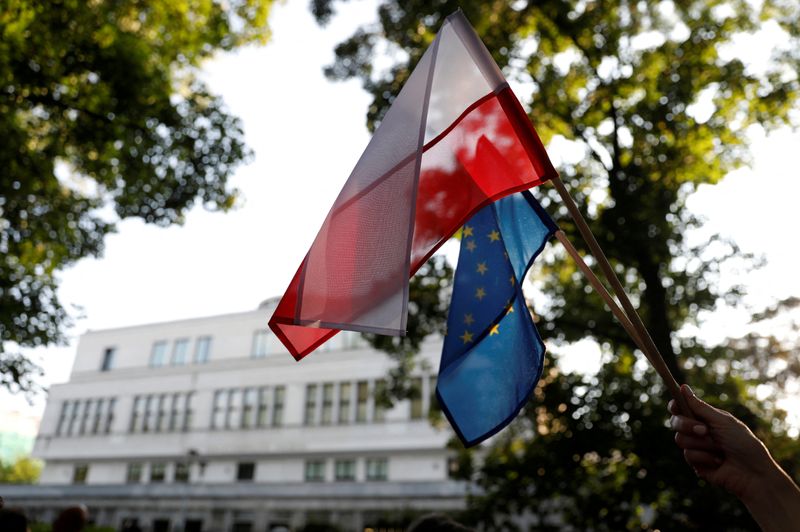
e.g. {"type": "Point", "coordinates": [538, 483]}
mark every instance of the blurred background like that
{"type": "Point", "coordinates": [165, 166]}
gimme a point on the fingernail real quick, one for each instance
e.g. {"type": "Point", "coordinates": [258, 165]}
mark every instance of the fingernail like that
{"type": "Point", "coordinates": [673, 421]}
{"type": "Point", "coordinates": [689, 389]}
{"type": "Point", "coordinates": [671, 404]}
{"type": "Point", "coordinates": [700, 430]}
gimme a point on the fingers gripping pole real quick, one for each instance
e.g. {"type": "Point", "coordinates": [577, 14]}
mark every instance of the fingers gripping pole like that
{"type": "Point", "coordinates": [650, 351]}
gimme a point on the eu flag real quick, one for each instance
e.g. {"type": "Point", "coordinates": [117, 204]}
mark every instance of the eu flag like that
{"type": "Point", "coordinates": [493, 354]}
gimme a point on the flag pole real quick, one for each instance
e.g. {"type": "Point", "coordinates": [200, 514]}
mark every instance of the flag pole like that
{"type": "Point", "coordinates": [651, 351]}
{"type": "Point", "coordinates": [600, 289]}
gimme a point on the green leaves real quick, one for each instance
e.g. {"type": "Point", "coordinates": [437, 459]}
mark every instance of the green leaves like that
{"type": "Point", "coordinates": [658, 100]}
{"type": "Point", "coordinates": [100, 106]}
{"type": "Point", "coordinates": [23, 470]}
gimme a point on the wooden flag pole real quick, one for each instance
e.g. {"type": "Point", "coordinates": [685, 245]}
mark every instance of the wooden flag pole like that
{"type": "Point", "coordinates": [600, 289]}
{"type": "Point", "coordinates": [651, 351]}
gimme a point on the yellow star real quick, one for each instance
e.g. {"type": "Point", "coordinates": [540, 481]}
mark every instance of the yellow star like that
{"type": "Point", "coordinates": [466, 337]}
{"type": "Point", "coordinates": [468, 319]}
{"type": "Point", "coordinates": [495, 330]}
{"type": "Point", "coordinates": [512, 280]}
{"type": "Point", "coordinates": [510, 309]}
{"type": "Point", "coordinates": [471, 245]}
{"type": "Point", "coordinates": [482, 268]}
{"type": "Point", "coordinates": [480, 293]}
{"type": "Point", "coordinates": [467, 231]}
{"type": "Point", "coordinates": [494, 236]}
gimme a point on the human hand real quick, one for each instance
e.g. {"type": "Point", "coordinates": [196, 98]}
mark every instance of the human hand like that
{"type": "Point", "coordinates": [720, 448]}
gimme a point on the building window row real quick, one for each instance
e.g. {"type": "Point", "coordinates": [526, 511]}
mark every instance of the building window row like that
{"type": "Point", "coordinates": [166, 412]}
{"type": "Point", "coordinates": [348, 402]}
{"type": "Point", "coordinates": [157, 473]}
{"type": "Point", "coordinates": [248, 408]}
{"type": "Point", "coordinates": [344, 402]}
{"type": "Point", "coordinates": [344, 470]}
{"type": "Point", "coordinates": [109, 354]}
{"type": "Point", "coordinates": [265, 343]}
{"type": "Point", "coordinates": [179, 355]}
{"type": "Point", "coordinates": [80, 417]}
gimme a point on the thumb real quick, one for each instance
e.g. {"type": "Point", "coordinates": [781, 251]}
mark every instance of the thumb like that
{"type": "Point", "coordinates": [702, 410]}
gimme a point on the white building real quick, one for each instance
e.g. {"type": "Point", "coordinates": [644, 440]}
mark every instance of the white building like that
{"type": "Point", "coordinates": [209, 424]}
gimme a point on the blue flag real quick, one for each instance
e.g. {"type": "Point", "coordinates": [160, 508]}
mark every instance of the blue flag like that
{"type": "Point", "coordinates": [493, 354]}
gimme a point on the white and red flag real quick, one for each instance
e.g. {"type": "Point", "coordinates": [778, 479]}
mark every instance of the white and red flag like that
{"type": "Point", "coordinates": [455, 139]}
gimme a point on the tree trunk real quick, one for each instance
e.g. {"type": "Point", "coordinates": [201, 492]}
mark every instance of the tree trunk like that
{"type": "Point", "coordinates": [656, 317]}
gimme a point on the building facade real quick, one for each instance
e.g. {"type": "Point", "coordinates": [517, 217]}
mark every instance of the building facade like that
{"type": "Point", "coordinates": [209, 424]}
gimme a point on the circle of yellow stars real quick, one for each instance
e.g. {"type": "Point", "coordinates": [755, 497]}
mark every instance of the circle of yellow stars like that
{"type": "Point", "coordinates": [480, 292]}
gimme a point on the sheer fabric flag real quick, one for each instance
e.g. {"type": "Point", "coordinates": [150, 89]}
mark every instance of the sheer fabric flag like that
{"type": "Point", "coordinates": [455, 139]}
{"type": "Point", "coordinates": [493, 355]}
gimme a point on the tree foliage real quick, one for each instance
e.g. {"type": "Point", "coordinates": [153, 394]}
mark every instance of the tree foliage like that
{"type": "Point", "coordinates": [103, 117]}
{"type": "Point", "coordinates": [652, 96]}
{"type": "Point", "coordinates": [23, 470]}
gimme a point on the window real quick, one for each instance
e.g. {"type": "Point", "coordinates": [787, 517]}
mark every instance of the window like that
{"type": "Point", "coordinates": [245, 471]}
{"type": "Point", "coordinates": [158, 356]}
{"type": "Point", "coordinates": [158, 472]}
{"type": "Point", "coordinates": [98, 416]}
{"type": "Point", "coordinates": [345, 470]}
{"type": "Point", "coordinates": [416, 398]}
{"type": "Point", "coordinates": [377, 469]}
{"type": "Point", "coordinates": [311, 404]}
{"type": "Point", "coordinates": [62, 417]}
{"type": "Point", "coordinates": [156, 413]}
{"type": "Point", "coordinates": [434, 402]}
{"type": "Point", "coordinates": [174, 411]}
{"type": "Point", "coordinates": [218, 413]}
{"type": "Point", "coordinates": [134, 475]}
{"type": "Point", "coordinates": [73, 418]}
{"type": "Point", "coordinates": [259, 344]}
{"type": "Point", "coordinates": [234, 403]}
{"type": "Point", "coordinates": [379, 413]}
{"type": "Point", "coordinates": [147, 422]}
{"type": "Point", "coordinates": [315, 471]}
{"type": "Point", "coordinates": [353, 340]}
{"type": "Point", "coordinates": [87, 407]}
{"type": "Point", "coordinates": [277, 406]}
{"type": "Point", "coordinates": [263, 408]}
{"type": "Point", "coordinates": [108, 359]}
{"type": "Point", "coordinates": [161, 415]}
{"type": "Point", "coordinates": [327, 404]}
{"type": "Point", "coordinates": [249, 407]}
{"type": "Point", "coordinates": [361, 405]}
{"type": "Point", "coordinates": [79, 474]}
{"type": "Point", "coordinates": [110, 414]}
{"type": "Point", "coordinates": [180, 352]}
{"type": "Point", "coordinates": [453, 467]}
{"type": "Point", "coordinates": [137, 417]}
{"type": "Point", "coordinates": [345, 390]}
{"type": "Point", "coordinates": [182, 472]}
{"type": "Point", "coordinates": [202, 350]}
{"type": "Point", "coordinates": [188, 412]}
